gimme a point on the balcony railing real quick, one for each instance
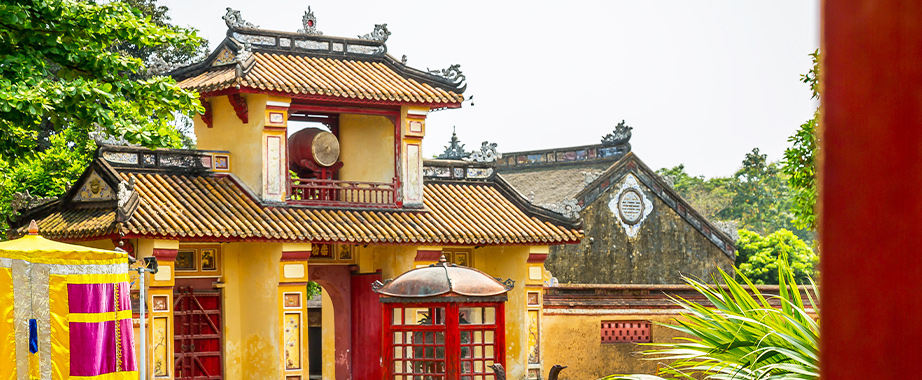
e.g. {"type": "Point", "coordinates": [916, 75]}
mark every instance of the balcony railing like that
{"type": "Point", "coordinates": [323, 192]}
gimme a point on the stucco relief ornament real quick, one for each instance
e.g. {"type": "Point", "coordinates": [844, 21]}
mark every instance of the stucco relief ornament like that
{"type": "Point", "coordinates": [125, 188]}
{"type": "Point", "coordinates": [487, 153]}
{"type": "Point", "coordinates": [310, 23]}
{"type": "Point", "coordinates": [630, 205]}
{"type": "Point", "coordinates": [233, 20]}
{"type": "Point", "coordinates": [244, 54]}
{"type": "Point", "coordinates": [379, 34]}
{"type": "Point", "coordinates": [569, 208]}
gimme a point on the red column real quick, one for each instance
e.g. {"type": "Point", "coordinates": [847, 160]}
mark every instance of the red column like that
{"type": "Point", "coordinates": [366, 327]}
{"type": "Point", "coordinates": [871, 189]}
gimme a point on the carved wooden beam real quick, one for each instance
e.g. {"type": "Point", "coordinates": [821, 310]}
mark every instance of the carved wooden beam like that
{"type": "Point", "coordinates": [207, 117]}
{"type": "Point", "coordinates": [240, 106]}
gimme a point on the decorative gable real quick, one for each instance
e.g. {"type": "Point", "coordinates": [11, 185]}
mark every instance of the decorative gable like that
{"type": "Point", "coordinates": [224, 57]}
{"type": "Point", "coordinates": [94, 189]}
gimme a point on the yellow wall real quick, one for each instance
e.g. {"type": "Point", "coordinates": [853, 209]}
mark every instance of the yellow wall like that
{"type": "Point", "coordinates": [575, 341]}
{"type": "Point", "coordinates": [510, 262]}
{"type": "Point", "coordinates": [251, 311]}
{"type": "Point", "coordinates": [328, 329]}
{"type": "Point", "coordinates": [366, 148]}
{"type": "Point", "coordinates": [393, 260]}
{"type": "Point", "coordinates": [101, 244]}
{"type": "Point", "coordinates": [243, 141]}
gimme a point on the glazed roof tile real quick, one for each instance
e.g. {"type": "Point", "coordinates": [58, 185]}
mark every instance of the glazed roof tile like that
{"type": "Point", "coordinates": [217, 207]}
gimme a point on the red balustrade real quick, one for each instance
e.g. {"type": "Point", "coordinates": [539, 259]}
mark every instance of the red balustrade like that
{"type": "Point", "coordinates": [324, 192]}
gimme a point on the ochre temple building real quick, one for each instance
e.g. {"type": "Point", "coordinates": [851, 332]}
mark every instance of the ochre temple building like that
{"type": "Point", "coordinates": [309, 169]}
{"type": "Point", "coordinates": [241, 224]}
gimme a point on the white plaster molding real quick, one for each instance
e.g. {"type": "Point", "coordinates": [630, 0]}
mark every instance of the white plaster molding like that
{"type": "Point", "coordinates": [630, 184]}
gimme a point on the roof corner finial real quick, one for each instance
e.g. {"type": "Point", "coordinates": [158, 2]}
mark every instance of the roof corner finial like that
{"type": "Point", "coordinates": [309, 21]}
{"type": "Point", "coordinates": [620, 136]}
{"type": "Point", "coordinates": [233, 20]}
{"type": "Point", "coordinates": [33, 227]}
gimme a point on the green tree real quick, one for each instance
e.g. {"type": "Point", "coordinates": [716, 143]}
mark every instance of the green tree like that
{"type": "Point", "coordinates": [761, 198]}
{"type": "Point", "coordinates": [757, 257]}
{"type": "Point", "coordinates": [708, 196]}
{"type": "Point", "coordinates": [799, 159]}
{"type": "Point", "coordinates": [741, 335]}
{"type": "Point", "coordinates": [68, 68]}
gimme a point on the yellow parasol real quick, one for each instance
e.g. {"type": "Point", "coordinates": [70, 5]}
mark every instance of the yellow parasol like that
{"type": "Point", "coordinates": [54, 296]}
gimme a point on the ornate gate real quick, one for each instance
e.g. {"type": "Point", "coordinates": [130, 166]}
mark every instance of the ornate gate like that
{"type": "Point", "coordinates": [198, 326]}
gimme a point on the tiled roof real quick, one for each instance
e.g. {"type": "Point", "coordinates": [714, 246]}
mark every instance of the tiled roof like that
{"type": "Point", "coordinates": [343, 78]}
{"type": "Point", "coordinates": [553, 184]}
{"type": "Point", "coordinates": [216, 207]}
{"type": "Point", "coordinates": [369, 75]}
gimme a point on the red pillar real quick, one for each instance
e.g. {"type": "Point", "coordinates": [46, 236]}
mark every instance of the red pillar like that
{"type": "Point", "coordinates": [871, 189]}
{"type": "Point", "coordinates": [366, 327]}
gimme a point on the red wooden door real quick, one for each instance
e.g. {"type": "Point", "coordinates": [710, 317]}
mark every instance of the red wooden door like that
{"type": "Point", "coordinates": [197, 327]}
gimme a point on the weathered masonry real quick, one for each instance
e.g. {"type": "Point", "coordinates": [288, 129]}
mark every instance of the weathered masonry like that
{"type": "Point", "coordinates": [638, 230]}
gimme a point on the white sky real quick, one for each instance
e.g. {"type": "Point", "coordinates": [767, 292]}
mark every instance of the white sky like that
{"type": "Point", "coordinates": [701, 82]}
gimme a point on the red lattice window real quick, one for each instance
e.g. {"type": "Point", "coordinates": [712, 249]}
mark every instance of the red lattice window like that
{"type": "Point", "coordinates": [443, 341]}
{"type": "Point", "coordinates": [626, 332]}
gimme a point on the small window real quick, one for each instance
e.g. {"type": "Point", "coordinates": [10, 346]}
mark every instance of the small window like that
{"type": "Point", "coordinates": [460, 257]}
{"type": "Point", "coordinates": [198, 261]}
{"type": "Point", "coordinates": [626, 332]}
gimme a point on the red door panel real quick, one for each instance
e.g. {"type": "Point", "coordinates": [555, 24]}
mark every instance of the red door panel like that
{"type": "Point", "coordinates": [197, 327]}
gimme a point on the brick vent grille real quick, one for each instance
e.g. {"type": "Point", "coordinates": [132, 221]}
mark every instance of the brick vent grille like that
{"type": "Point", "coordinates": [626, 332]}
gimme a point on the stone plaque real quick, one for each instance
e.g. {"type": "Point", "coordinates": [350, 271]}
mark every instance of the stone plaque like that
{"type": "Point", "coordinates": [631, 206]}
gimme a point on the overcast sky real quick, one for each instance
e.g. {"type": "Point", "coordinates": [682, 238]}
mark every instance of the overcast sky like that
{"type": "Point", "coordinates": [701, 82]}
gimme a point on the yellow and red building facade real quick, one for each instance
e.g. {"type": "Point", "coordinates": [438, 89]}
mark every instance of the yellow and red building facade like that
{"type": "Point", "coordinates": [238, 238]}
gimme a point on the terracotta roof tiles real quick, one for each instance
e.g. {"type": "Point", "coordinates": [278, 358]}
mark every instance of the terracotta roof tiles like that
{"type": "Point", "coordinates": [217, 208]}
{"type": "Point", "coordinates": [322, 76]}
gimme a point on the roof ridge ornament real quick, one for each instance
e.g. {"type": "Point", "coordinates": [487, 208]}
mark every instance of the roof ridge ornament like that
{"type": "Point", "coordinates": [25, 201]}
{"type": "Point", "coordinates": [233, 20]}
{"type": "Point", "coordinates": [309, 21]}
{"type": "Point", "coordinates": [454, 150]}
{"type": "Point", "coordinates": [379, 34]}
{"type": "Point", "coordinates": [101, 137]}
{"type": "Point", "coordinates": [452, 73]}
{"type": "Point", "coordinates": [620, 136]}
{"type": "Point", "coordinates": [487, 153]}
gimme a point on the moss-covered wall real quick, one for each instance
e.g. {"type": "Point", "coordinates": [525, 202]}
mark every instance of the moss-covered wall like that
{"type": "Point", "coordinates": [665, 247]}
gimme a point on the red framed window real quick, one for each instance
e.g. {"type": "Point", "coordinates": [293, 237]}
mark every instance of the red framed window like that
{"type": "Point", "coordinates": [443, 341]}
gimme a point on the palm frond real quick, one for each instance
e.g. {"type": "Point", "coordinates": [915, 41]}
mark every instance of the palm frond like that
{"type": "Point", "coordinates": [741, 335]}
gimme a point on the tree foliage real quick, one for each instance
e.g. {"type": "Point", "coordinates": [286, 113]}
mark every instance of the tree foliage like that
{"type": "Point", "coordinates": [741, 335]}
{"type": "Point", "coordinates": [757, 197]}
{"type": "Point", "coordinates": [709, 196]}
{"type": "Point", "coordinates": [761, 197]}
{"type": "Point", "coordinates": [800, 157]}
{"type": "Point", "coordinates": [71, 67]}
{"type": "Point", "coordinates": [758, 256]}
